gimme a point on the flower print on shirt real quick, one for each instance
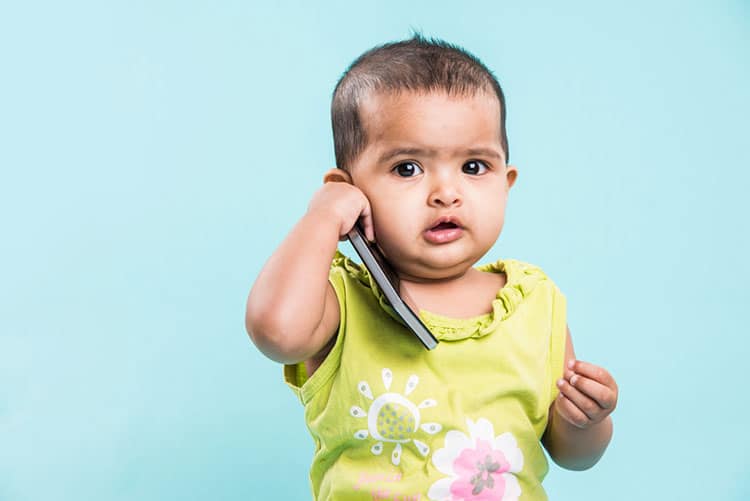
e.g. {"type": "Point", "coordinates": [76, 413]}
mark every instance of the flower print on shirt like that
{"type": "Point", "coordinates": [391, 417]}
{"type": "Point", "coordinates": [479, 465]}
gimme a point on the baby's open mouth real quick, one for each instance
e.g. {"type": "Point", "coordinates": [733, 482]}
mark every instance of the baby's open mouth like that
{"type": "Point", "coordinates": [444, 226]}
{"type": "Point", "coordinates": [444, 231]}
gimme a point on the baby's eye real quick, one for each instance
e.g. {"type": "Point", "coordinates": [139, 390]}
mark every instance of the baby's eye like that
{"type": "Point", "coordinates": [475, 167]}
{"type": "Point", "coordinates": [407, 169]}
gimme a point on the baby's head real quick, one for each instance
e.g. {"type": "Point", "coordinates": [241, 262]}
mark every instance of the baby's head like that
{"type": "Point", "coordinates": [416, 65]}
{"type": "Point", "coordinates": [419, 127]}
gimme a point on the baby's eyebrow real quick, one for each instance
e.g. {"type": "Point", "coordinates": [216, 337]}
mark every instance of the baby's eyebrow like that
{"type": "Point", "coordinates": [423, 152]}
{"type": "Point", "coordinates": [484, 152]}
{"type": "Point", "coordinates": [397, 152]}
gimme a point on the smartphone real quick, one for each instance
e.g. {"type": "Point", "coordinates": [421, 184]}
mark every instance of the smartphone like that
{"type": "Point", "coordinates": [388, 282]}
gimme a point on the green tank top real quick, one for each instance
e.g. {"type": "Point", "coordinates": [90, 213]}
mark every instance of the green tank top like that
{"type": "Point", "coordinates": [391, 420]}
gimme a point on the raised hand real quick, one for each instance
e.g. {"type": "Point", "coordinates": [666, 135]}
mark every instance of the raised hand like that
{"type": "Point", "coordinates": [588, 394]}
{"type": "Point", "coordinates": [341, 202]}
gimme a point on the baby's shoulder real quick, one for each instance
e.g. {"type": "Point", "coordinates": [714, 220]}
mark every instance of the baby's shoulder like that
{"type": "Point", "coordinates": [348, 275]}
{"type": "Point", "coordinates": [515, 270]}
{"type": "Point", "coordinates": [344, 268]}
{"type": "Point", "coordinates": [524, 282]}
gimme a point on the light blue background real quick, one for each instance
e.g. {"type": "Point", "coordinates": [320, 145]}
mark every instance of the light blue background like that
{"type": "Point", "coordinates": [153, 154]}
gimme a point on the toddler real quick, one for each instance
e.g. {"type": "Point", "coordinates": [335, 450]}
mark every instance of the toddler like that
{"type": "Point", "coordinates": [423, 163]}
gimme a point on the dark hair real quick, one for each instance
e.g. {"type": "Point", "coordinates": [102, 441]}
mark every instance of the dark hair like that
{"type": "Point", "coordinates": [417, 65]}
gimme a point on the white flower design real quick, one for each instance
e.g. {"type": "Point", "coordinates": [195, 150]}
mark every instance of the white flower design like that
{"type": "Point", "coordinates": [392, 417]}
{"type": "Point", "coordinates": [479, 466]}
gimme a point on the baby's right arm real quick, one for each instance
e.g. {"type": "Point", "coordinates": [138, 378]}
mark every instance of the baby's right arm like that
{"type": "Point", "coordinates": [292, 311]}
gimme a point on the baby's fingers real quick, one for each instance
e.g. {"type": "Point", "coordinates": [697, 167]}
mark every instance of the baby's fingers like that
{"type": "Point", "coordinates": [604, 397]}
{"type": "Point", "coordinates": [585, 404]}
{"type": "Point", "coordinates": [365, 218]}
{"type": "Point", "coordinates": [570, 412]}
{"type": "Point", "coordinates": [592, 371]}
{"type": "Point", "coordinates": [595, 382]}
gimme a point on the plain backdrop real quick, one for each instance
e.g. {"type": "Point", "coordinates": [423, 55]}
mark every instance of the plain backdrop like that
{"type": "Point", "coordinates": [153, 154]}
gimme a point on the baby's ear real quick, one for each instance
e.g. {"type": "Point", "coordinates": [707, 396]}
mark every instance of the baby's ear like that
{"type": "Point", "coordinates": [337, 175]}
{"type": "Point", "coordinates": [511, 174]}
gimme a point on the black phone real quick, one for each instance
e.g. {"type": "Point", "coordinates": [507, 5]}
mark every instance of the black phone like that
{"type": "Point", "coordinates": [388, 282]}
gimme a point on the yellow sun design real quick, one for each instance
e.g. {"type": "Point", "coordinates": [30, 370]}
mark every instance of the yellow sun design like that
{"type": "Point", "coordinates": [392, 417]}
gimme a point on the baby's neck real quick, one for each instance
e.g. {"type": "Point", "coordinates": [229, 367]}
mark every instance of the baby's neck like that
{"type": "Point", "coordinates": [467, 295]}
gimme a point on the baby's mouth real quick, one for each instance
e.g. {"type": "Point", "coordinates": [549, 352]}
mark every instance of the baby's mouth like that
{"type": "Point", "coordinates": [443, 232]}
{"type": "Point", "coordinates": [444, 226]}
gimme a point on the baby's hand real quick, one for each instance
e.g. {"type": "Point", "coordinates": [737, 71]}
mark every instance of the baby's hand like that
{"type": "Point", "coordinates": [588, 394]}
{"type": "Point", "coordinates": [343, 204]}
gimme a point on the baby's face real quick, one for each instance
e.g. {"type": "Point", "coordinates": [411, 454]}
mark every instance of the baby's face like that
{"type": "Point", "coordinates": [434, 172]}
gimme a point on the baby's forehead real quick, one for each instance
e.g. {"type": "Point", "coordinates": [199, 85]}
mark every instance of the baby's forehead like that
{"type": "Point", "coordinates": [430, 125]}
{"type": "Point", "coordinates": [378, 109]}
{"type": "Point", "coordinates": [420, 116]}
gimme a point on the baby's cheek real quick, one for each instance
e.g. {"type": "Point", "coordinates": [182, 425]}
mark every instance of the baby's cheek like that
{"type": "Point", "coordinates": [396, 240]}
{"type": "Point", "coordinates": [388, 240]}
{"type": "Point", "coordinates": [493, 226]}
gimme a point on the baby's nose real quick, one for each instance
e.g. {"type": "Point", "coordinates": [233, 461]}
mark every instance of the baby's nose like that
{"type": "Point", "coordinates": [445, 195]}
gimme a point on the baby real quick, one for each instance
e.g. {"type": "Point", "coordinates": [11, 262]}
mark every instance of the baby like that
{"type": "Point", "coordinates": [422, 155]}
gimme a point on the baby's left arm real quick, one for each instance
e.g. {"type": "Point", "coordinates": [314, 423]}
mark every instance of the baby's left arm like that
{"type": "Point", "coordinates": [580, 426]}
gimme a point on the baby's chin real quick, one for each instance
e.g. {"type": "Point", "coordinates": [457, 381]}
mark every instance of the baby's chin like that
{"type": "Point", "coordinates": [426, 271]}
{"type": "Point", "coordinates": [422, 264]}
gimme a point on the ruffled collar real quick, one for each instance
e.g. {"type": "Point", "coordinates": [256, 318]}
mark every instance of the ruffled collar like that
{"type": "Point", "coordinates": [521, 279]}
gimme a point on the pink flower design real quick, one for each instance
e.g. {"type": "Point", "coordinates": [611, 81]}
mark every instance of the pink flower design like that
{"type": "Point", "coordinates": [480, 473]}
{"type": "Point", "coordinates": [480, 466]}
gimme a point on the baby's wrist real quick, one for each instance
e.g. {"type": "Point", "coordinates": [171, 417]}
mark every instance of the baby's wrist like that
{"type": "Point", "coordinates": [323, 222]}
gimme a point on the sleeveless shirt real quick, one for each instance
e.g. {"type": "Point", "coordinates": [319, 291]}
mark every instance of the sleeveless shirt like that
{"type": "Point", "coordinates": [392, 420]}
